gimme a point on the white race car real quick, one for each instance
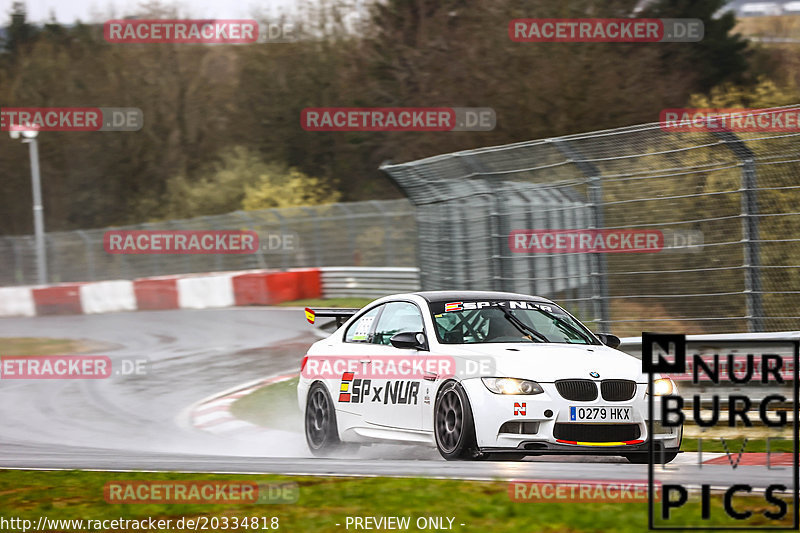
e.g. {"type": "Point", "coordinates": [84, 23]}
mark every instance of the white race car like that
{"type": "Point", "coordinates": [479, 375]}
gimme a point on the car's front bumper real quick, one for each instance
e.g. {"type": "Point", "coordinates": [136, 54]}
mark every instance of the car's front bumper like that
{"type": "Point", "coordinates": [491, 411]}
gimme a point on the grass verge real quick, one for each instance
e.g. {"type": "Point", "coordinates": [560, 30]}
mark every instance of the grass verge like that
{"type": "Point", "coordinates": [273, 406]}
{"type": "Point", "coordinates": [325, 502]}
{"type": "Point", "coordinates": [735, 445]}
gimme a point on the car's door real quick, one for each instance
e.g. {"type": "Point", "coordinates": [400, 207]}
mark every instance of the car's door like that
{"type": "Point", "coordinates": [396, 400]}
{"type": "Point", "coordinates": [349, 381]}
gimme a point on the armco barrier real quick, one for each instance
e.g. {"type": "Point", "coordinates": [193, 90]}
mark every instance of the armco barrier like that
{"type": "Point", "coordinates": [58, 300]}
{"type": "Point", "coordinates": [368, 282]}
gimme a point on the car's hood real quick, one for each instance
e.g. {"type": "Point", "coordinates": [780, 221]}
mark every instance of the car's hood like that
{"type": "Point", "coordinates": [549, 362]}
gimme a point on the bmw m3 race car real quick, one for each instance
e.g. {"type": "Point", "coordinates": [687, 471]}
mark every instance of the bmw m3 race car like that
{"type": "Point", "coordinates": [479, 375]}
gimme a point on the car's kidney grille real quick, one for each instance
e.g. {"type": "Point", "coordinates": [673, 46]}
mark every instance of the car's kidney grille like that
{"type": "Point", "coordinates": [617, 390]}
{"type": "Point", "coordinates": [577, 390]}
{"type": "Point", "coordinates": [596, 432]}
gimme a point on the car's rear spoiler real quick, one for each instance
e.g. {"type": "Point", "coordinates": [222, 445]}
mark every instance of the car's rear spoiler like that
{"type": "Point", "coordinates": [340, 314]}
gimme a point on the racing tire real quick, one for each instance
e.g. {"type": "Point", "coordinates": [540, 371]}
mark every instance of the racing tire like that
{"type": "Point", "coordinates": [453, 425]}
{"type": "Point", "coordinates": [322, 434]}
{"type": "Point", "coordinates": [644, 458]}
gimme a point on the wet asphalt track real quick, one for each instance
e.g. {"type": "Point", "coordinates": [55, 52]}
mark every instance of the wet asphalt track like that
{"type": "Point", "coordinates": [132, 422]}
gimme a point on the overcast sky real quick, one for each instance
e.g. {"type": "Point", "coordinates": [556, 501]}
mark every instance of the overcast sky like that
{"type": "Point", "coordinates": [67, 11]}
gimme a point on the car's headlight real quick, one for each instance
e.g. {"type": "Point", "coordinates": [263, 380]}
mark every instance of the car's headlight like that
{"type": "Point", "coordinates": [512, 386]}
{"type": "Point", "coordinates": [662, 387]}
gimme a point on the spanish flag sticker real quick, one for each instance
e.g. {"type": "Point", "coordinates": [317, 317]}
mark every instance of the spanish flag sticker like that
{"type": "Point", "coordinates": [310, 315]}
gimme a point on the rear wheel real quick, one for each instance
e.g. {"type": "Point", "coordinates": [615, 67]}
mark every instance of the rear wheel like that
{"type": "Point", "coordinates": [453, 425]}
{"type": "Point", "coordinates": [322, 435]}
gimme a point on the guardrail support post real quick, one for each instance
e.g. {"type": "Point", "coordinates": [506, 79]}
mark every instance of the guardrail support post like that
{"type": "Point", "coordinates": [599, 270]}
{"type": "Point", "coordinates": [750, 231]}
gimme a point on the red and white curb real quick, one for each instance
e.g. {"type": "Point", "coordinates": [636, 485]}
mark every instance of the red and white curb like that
{"type": "Point", "coordinates": [186, 291]}
{"type": "Point", "coordinates": [751, 459]}
{"type": "Point", "coordinates": [213, 414]}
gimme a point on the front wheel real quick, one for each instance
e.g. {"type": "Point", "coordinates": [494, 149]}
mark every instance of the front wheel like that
{"type": "Point", "coordinates": [322, 435]}
{"type": "Point", "coordinates": [453, 425]}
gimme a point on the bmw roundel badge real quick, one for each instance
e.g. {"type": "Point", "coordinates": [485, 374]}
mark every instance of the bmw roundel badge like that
{"type": "Point", "coordinates": [594, 374]}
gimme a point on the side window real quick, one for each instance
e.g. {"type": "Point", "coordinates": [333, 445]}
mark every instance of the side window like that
{"type": "Point", "coordinates": [396, 318]}
{"type": "Point", "coordinates": [359, 330]}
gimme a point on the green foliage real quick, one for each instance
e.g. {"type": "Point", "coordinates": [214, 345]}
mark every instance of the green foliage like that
{"type": "Point", "coordinates": [764, 93]}
{"type": "Point", "coordinates": [239, 180]}
{"type": "Point", "coordinates": [280, 187]}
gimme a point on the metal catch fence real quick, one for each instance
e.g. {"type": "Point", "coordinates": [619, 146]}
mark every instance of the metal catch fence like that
{"type": "Point", "coordinates": [370, 234]}
{"type": "Point", "coordinates": [725, 206]}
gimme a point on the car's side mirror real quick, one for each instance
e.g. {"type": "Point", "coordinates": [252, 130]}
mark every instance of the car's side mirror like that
{"type": "Point", "coordinates": [409, 339]}
{"type": "Point", "coordinates": [612, 341]}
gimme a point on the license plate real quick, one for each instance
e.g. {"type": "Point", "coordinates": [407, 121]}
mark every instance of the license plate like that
{"type": "Point", "coordinates": [600, 413]}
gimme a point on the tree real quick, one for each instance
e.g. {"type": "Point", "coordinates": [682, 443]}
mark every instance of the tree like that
{"type": "Point", "coordinates": [721, 56]}
{"type": "Point", "coordinates": [20, 32]}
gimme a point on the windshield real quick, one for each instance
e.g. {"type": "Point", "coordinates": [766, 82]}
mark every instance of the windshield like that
{"type": "Point", "coordinates": [479, 322]}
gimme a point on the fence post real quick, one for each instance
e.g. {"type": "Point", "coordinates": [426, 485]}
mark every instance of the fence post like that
{"type": "Point", "coordinates": [750, 232]}
{"type": "Point", "coordinates": [599, 273]}
{"type": "Point", "coordinates": [208, 222]}
{"type": "Point", "coordinates": [315, 223]}
{"type": "Point", "coordinates": [531, 259]}
{"type": "Point", "coordinates": [89, 254]}
{"type": "Point", "coordinates": [283, 231]}
{"type": "Point", "coordinates": [351, 233]}
{"type": "Point", "coordinates": [19, 272]}
{"type": "Point", "coordinates": [428, 279]}
{"type": "Point", "coordinates": [388, 249]}
{"type": "Point", "coordinates": [154, 259]}
{"type": "Point", "coordinates": [249, 222]}
{"type": "Point", "coordinates": [498, 226]}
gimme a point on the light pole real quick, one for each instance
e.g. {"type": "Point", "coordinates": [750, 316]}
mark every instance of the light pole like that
{"type": "Point", "coordinates": [29, 137]}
